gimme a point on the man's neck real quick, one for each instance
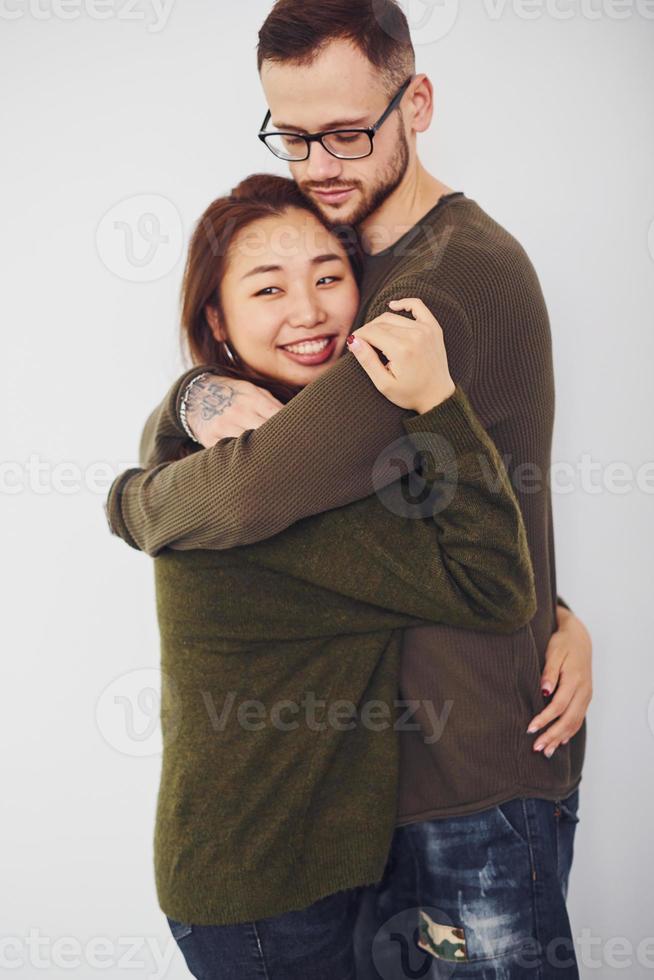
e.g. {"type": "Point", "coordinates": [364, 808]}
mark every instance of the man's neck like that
{"type": "Point", "coordinates": [415, 196]}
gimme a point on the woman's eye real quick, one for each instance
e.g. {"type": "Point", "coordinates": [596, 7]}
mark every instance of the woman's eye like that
{"type": "Point", "coordinates": [266, 292]}
{"type": "Point", "coordinates": [331, 278]}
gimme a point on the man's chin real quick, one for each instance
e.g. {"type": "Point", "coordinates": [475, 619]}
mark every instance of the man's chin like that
{"type": "Point", "coordinates": [339, 214]}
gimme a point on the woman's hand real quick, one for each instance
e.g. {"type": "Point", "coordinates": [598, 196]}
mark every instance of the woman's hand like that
{"type": "Point", "coordinates": [417, 374]}
{"type": "Point", "coordinates": [221, 407]}
{"type": "Point", "coordinates": [568, 664]}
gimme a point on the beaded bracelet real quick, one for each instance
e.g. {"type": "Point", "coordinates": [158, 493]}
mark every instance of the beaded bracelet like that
{"type": "Point", "coordinates": [182, 407]}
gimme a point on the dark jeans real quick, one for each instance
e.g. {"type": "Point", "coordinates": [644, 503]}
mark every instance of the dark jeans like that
{"type": "Point", "coordinates": [478, 896]}
{"type": "Point", "coordinates": [311, 944]}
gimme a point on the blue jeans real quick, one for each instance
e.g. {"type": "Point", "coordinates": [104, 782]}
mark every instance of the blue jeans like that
{"type": "Point", "coordinates": [311, 944]}
{"type": "Point", "coordinates": [480, 896]}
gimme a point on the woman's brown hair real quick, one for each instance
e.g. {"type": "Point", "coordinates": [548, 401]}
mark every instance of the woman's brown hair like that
{"type": "Point", "coordinates": [258, 196]}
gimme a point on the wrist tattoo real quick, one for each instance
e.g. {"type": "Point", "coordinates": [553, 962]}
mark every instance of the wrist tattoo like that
{"type": "Point", "coordinates": [210, 398]}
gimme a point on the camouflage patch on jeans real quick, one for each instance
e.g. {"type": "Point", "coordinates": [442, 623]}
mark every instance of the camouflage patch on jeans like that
{"type": "Point", "coordinates": [444, 942]}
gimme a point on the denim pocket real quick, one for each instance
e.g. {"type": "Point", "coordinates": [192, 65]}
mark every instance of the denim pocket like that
{"type": "Point", "coordinates": [512, 815]}
{"type": "Point", "coordinates": [570, 806]}
{"type": "Point", "coordinates": [179, 929]}
{"type": "Point", "coordinates": [566, 817]}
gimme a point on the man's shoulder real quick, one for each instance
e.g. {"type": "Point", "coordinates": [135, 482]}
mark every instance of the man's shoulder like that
{"type": "Point", "coordinates": [466, 253]}
{"type": "Point", "coordinates": [477, 242]}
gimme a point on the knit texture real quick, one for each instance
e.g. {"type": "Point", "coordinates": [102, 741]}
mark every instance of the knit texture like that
{"type": "Point", "coordinates": [320, 452]}
{"type": "Point", "coordinates": [267, 804]}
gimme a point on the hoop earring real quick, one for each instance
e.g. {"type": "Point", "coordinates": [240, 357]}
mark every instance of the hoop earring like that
{"type": "Point", "coordinates": [228, 352]}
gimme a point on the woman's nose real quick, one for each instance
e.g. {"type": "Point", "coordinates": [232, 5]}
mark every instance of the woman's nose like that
{"type": "Point", "coordinates": [306, 312]}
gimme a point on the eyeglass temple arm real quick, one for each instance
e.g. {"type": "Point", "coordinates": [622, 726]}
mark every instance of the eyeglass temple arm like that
{"type": "Point", "coordinates": [393, 104]}
{"type": "Point", "coordinates": [265, 122]}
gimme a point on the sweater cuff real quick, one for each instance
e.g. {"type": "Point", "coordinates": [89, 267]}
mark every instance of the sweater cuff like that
{"type": "Point", "coordinates": [113, 511]}
{"type": "Point", "coordinates": [448, 431]}
{"type": "Point", "coordinates": [178, 392]}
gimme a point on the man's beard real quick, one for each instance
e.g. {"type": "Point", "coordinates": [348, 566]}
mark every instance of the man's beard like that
{"type": "Point", "coordinates": [373, 197]}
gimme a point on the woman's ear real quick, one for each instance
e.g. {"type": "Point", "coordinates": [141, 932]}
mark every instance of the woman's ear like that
{"type": "Point", "coordinates": [213, 319]}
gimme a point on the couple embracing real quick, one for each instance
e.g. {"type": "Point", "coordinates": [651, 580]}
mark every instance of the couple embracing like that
{"type": "Point", "coordinates": [373, 698]}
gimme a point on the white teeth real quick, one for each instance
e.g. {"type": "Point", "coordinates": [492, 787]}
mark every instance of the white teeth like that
{"type": "Point", "coordinates": [308, 347]}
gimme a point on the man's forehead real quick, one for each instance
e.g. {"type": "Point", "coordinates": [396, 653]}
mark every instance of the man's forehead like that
{"type": "Point", "coordinates": [328, 114]}
{"type": "Point", "coordinates": [321, 95]}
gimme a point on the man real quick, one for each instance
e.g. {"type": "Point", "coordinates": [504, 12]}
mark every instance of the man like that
{"type": "Point", "coordinates": [486, 812]}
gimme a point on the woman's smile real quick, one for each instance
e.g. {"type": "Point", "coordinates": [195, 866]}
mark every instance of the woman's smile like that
{"type": "Point", "coordinates": [313, 350]}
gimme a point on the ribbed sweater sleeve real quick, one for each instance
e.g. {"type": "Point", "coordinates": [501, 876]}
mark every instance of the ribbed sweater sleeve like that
{"type": "Point", "coordinates": [317, 453]}
{"type": "Point", "coordinates": [457, 554]}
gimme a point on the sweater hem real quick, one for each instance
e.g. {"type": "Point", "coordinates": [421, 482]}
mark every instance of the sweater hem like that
{"type": "Point", "coordinates": [529, 792]}
{"type": "Point", "coordinates": [239, 904]}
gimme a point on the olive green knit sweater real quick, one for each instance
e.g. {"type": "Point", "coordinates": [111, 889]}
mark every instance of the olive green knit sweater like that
{"type": "Point", "coordinates": [280, 665]}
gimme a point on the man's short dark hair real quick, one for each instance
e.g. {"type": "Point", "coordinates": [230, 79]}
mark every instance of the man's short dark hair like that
{"type": "Point", "coordinates": [297, 31]}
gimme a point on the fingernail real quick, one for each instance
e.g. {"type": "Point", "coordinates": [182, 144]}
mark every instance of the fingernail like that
{"type": "Point", "coordinates": [352, 342]}
{"type": "Point", "coordinates": [550, 752]}
{"type": "Point", "coordinates": [538, 746]}
{"type": "Point", "coordinates": [546, 692]}
{"type": "Point", "coordinates": [532, 729]}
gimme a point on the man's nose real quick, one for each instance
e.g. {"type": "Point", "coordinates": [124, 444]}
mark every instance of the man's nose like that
{"type": "Point", "coordinates": [321, 165]}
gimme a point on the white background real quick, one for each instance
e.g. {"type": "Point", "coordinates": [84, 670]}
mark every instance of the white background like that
{"type": "Point", "coordinates": [544, 117]}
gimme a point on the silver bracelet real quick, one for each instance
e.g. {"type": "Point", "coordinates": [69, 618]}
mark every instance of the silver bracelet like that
{"type": "Point", "coordinates": [183, 403]}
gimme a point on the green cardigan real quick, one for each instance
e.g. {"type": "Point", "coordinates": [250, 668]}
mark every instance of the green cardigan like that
{"type": "Point", "coordinates": [279, 675]}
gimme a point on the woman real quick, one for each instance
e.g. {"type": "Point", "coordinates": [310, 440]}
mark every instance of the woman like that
{"type": "Point", "coordinates": [278, 791]}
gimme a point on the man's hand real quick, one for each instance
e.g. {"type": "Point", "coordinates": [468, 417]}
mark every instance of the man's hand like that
{"type": "Point", "coordinates": [220, 407]}
{"type": "Point", "coordinates": [568, 664]}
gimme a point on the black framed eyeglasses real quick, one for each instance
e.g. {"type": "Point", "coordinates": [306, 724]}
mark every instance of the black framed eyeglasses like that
{"type": "Point", "coordinates": [346, 144]}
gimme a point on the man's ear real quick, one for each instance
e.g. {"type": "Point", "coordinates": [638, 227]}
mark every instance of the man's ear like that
{"type": "Point", "coordinates": [422, 104]}
{"type": "Point", "coordinates": [215, 325]}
